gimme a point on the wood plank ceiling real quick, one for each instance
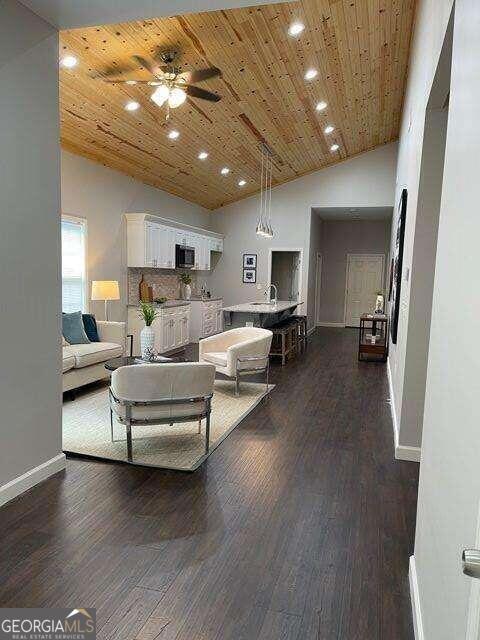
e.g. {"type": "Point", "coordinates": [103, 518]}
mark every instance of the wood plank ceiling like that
{"type": "Point", "coordinates": [359, 47]}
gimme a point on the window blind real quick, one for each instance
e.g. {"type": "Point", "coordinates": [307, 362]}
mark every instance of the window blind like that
{"type": "Point", "coordinates": [73, 266]}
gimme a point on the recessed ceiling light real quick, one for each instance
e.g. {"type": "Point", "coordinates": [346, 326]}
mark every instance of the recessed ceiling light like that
{"type": "Point", "coordinates": [68, 62]}
{"type": "Point", "coordinates": [334, 147]}
{"type": "Point", "coordinates": [242, 183]}
{"type": "Point", "coordinates": [174, 134]}
{"type": "Point", "coordinates": [311, 74]}
{"type": "Point", "coordinates": [296, 28]}
{"type": "Point", "coordinates": [321, 105]}
{"type": "Point", "coordinates": [132, 106]}
{"type": "Point", "coordinates": [329, 129]}
{"type": "Point", "coordinates": [225, 171]}
{"type": "Point", "coordinates": [131, 82]}
{"type": "Point", "coordinates": [203, 155]}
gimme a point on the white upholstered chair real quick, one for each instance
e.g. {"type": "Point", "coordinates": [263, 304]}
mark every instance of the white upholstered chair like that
{"type": "Point", "coordinates": [152, 394]}
{"type": "Point", "coordinates": [238, 352]}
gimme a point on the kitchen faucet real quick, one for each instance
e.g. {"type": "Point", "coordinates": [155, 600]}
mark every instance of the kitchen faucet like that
{"type": "Point", "coordinates": [268, 292]}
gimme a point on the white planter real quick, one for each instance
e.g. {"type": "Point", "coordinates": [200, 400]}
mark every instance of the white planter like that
{"type": "Point", "coordinates": [187, 292]}
{"type": "Point", "coordinates": [147, 339]}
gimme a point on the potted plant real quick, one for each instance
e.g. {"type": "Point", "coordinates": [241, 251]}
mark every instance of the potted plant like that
{"type": "Point", "coordinates": [186, 280]}
{"type": "Point", "coordinates": [148, 313]}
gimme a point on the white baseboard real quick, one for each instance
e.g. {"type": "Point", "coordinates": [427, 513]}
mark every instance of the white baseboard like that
{"type": "Point", "coordinates": [331, 324]}
{"type": "Point", "coordinates": [402, 452]}
{"type": "Point", "coordinates": [29, 479]}
{"type": "Point", "coordinates": [415, 599]}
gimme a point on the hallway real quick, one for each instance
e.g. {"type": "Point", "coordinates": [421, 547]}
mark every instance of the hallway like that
{"type": "Point", "coordinates": [298, 527]}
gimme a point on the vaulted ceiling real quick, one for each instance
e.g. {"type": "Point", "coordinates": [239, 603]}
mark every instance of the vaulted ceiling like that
{"type": "Point", "coordinates": [359, 47]}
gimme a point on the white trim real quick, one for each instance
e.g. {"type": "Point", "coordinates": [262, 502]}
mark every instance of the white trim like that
{"type": "Point", "coordinates": [360, 255]}
{"type": "Point", "coordinates": [415, 599]}
{"type": "Point", "coordinates": [402, 452]}
{"type": "Point", "coordinates": [331, 324]}
{"type": "Point", "coordinates": [29, 479]}
{"type": "Point", "coordinates": [318, 287]}
{"type": "Point", "coordinates": [298, 250]}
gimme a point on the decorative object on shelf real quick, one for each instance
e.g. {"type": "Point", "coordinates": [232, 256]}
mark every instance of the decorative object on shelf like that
{"type": "Point", "coordinates": [186, 280]}
{"type": "Point", "coordinates": [250, 260]}
{"type": "Point", "coordinates": [148, 313]}
{"type": "Point", "coordinates": [398, 264]}
{"type": "Point", "coordinates": [379, 303]}
{"type": "Point", "coordinates": [250, 276]}
{"type": "Point", "coordinates": [143, 290]}
{"type": "Point", "coordinates": [105, 290]}
{"type": "Point", "coordinates": [373, 337]}
{"type": "Point", "coordinates": [264, 223]}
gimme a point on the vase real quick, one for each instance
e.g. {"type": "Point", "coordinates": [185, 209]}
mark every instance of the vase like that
{"type": "Point", "coordinates": [187, 292]}
{"type": "Point", "coordinates": [147, 339]}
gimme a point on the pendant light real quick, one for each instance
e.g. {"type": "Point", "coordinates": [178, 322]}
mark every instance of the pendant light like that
{"type": "Point", "coordinates": [264, 223]}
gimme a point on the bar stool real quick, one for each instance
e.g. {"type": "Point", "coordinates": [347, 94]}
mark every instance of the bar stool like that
{"type": "Point", "coordinates": [285, 339]}
{"type": "Point", "coordinates": [302, 330]}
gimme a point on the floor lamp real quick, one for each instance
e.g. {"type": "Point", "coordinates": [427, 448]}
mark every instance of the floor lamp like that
{"type": "Point", "coordinates": [105, 290]}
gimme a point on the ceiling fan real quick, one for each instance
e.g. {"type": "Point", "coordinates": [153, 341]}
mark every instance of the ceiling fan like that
{"type": "Point", "coordinates": [172, 85]}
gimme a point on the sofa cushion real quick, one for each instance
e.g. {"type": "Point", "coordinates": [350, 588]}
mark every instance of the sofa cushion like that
{"type": "Point", "coordinates": [94, 352]}
{"type": "Point", "coordinates": [68, 359]}
{"type": "Point", "coordinates": [216, 357]}
{"type": "Point", "coordinates": [72, 328]}
{"type": "Point", "coordinates": [90, 326]}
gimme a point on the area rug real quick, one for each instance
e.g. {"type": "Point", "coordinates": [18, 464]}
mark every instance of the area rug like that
{"type": "Point", "coordinates": [86, 429]}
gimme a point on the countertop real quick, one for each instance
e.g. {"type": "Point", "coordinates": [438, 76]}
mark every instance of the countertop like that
{"type": "Point", "coordinates": [263, 307]}
{"type": "Point", "coordinates": [179, 303]}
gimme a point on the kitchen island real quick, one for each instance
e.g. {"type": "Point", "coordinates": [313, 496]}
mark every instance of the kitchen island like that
{"type": "Point", "coordinates": [259, 314]}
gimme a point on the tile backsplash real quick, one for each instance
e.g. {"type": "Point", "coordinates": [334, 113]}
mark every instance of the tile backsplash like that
{"type": "Point", "coordinates": [164, 283]}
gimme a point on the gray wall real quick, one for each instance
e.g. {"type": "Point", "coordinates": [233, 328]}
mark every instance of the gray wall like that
{"type": "Point", "coordinates": [315, 247]}
{"type": "Point", "coordinates": [29, 242]}
{"type": "Point", "coordinates": [102, 196]}
{"type": "Point", "coordinates": [339, 238]}
{"type": "Point", "coordinates": [365, 181]}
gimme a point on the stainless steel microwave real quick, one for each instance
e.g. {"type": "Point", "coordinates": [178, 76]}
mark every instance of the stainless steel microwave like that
{"type": "Point", "coordinates": [184, 257]}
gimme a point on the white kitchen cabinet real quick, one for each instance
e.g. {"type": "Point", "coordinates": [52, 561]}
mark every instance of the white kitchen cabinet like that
{"type": "Point", "coordinates": [206, 318]}
{"type": "Point", "coordinates": [172, 328]}
{"type": "Point", "coordinates": [151, 242]}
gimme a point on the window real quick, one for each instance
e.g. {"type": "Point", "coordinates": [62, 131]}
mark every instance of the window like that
{"type": "Point", "coordinates": [74, 281]}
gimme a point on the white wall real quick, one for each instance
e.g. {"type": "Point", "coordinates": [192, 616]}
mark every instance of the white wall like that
{"type": "Point", "coordinates": [29, 248]}
{"type": "Point", "coordinates": [364, 181]}
{"type": "Point", "coordinates": [338, 239]}
{"type": "Point", "coordinates": [102, 196]}
{"type": "Point", "coordinates": [431, 24]}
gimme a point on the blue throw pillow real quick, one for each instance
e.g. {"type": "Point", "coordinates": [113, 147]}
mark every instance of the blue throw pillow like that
{"type": "Point", "coordinates": [72, 328]}
{"type": "Point", "coordinates": [90, 326]}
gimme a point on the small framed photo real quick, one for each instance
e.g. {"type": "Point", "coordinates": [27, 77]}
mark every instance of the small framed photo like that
{"type": "Point", "coordinates": [249, 260]}
{"type": "Point", "coordinates": [250, 276]}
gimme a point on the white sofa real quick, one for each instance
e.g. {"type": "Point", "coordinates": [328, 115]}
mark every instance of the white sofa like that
{"type": "Point", "coordinates": [85, 363]}
{"type": "Point", "coordinates": [238, 352]}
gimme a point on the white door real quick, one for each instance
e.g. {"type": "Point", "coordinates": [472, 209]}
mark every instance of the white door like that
{"type": "Point", "coordinates": [364, 279]}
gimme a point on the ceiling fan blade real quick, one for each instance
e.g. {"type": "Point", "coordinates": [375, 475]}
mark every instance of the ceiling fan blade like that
{"type": "Point", "coordinates": [198, 75]}
{"type": "Point", "coordinates": [154, 70]}
{"type": "Point", "coordinates": [132, 82]}
{"type": "Point", "coordinates": [196, 92]}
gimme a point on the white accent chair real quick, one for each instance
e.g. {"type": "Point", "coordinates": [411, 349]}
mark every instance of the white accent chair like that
{"type": "Point", "coordinates": [153, 394]}
{"type": "Point", "coordinates": [238, 352]}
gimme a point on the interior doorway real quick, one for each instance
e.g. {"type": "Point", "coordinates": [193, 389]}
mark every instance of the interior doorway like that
{"type": "Point", "coordinates": [364, 280]}
{"type": "Point", "coordinates": [285, 273]}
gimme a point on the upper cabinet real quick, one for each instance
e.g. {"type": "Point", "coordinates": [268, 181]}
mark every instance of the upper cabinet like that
{"type": "Point", "coordinates": [151, 242]}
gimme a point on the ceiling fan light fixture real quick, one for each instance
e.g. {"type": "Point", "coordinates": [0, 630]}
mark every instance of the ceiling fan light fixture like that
{"type": "Point", "coordinates": [69, 62]}
{"type": "Point", "coordinates": [176, 98]}
{"type": "Point", "coordinates": [160, 95]}
{"type": "Point", "coordinates": [131, 82]}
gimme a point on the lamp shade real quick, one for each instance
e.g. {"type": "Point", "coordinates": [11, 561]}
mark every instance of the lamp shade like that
{"type": "Point", "coordinates": [105, 290]}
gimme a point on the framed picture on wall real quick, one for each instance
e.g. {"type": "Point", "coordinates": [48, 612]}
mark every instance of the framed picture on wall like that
{"type": "Point", "coordinates": [249, 260]}
{"type": "Point", "coordinates": [398, 266]}
{"type": "Point", "coordinates": [250, 276]}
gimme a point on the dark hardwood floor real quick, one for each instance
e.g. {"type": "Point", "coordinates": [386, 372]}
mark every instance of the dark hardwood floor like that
{"type": "Point", "coordinates": [298, 527]}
